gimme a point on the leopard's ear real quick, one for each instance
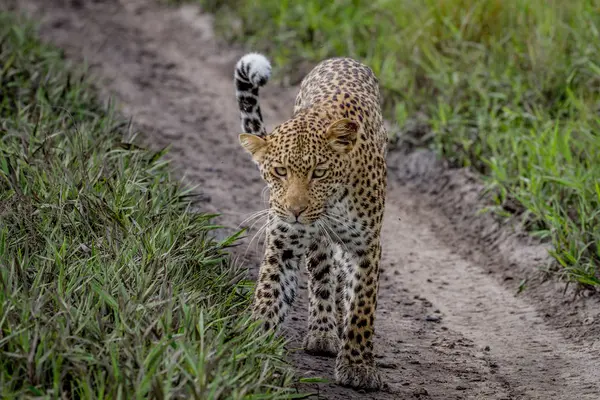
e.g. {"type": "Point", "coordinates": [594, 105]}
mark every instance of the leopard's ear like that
{"type": "Point", "coordinates": [342, 135]}
{"type": "Point", "coordinates": [254, 145]}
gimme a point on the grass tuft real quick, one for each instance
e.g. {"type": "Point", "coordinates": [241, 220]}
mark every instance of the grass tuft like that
{"type": "Point", "coordinates": [508, 88]}
{"type": "Point", "coordinates": [111, 285]}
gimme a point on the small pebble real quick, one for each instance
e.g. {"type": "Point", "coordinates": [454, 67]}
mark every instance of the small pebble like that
{"type": "Point", "coordinates": [387, 365]}
{"type": "Point", "coordinates": [433, 318]}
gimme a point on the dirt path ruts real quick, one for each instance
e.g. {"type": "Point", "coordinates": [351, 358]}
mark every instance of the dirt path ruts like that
{"type": "Point", "coordinates": [447, 326]}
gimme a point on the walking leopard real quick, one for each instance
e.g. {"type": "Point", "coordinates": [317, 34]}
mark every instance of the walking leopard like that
{"type": "Point", "coordinates": [326, 173]}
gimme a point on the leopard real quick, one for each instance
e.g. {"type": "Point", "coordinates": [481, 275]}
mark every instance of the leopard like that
{"type": "Point", "coordinates": [325, 171]}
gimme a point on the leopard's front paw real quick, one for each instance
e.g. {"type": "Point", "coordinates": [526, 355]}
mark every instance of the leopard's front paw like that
{"type": "Point", "coordinates": [322, 343]}
{"type": "Point", "coordinates": [357, 375]}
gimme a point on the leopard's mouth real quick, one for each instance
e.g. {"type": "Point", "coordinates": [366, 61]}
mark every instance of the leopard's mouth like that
{"type": "Point", "coordinates": [296, 223]}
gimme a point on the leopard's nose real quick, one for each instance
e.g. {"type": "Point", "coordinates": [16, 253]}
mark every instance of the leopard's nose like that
{"type": "Point", "coordinates": [297, 210]}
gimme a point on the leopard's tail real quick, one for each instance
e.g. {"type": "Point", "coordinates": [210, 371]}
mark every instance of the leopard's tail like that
{"type": "Point", "coordinates": [251, 72]}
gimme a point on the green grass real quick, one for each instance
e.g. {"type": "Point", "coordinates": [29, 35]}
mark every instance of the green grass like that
{"type": "Point", "coordinates": [111, 286]}
{"type": "Point", "coordinates": [508, 88]}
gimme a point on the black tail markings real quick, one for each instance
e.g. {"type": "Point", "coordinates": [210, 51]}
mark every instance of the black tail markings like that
{"type": "Point", "coordinates": [251, 72]}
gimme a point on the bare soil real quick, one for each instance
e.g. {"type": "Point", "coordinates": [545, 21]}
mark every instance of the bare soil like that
{"type": "Point", "coordinates": [451, 324]}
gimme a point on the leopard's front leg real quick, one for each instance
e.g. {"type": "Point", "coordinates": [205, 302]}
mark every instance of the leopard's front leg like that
{"type": "Point", "coordinates": [278, 276]}
{"type": "Point", "coordinates": [355, 365]}
{"type": "Point", "coordinates": [322, 337]}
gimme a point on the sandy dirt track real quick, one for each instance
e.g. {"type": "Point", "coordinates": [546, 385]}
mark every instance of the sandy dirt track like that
{"type": "Point", "coordinates": [449, 323]}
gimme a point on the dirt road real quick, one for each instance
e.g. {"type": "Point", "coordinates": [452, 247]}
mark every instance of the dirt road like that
{"type": "Point", "coordinates": [449, 324]}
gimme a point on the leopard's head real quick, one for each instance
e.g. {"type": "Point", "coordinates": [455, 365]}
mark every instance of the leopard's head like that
{"type": "Point", "coordinates": [305, 162]}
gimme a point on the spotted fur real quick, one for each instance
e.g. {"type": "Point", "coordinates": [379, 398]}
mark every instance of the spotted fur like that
{"type": "Point", "coordinates": [325, 168]}
{"type": "Point", "coordinates": [251, 72]}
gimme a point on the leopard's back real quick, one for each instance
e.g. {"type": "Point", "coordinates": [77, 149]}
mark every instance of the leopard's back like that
{"type": "Point", "coordinates": [348, 89]}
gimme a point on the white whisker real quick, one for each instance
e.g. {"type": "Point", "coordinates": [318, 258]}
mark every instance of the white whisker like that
{"type": "Point", "coordinates": [257, 234]}
{"type": "Point", "coordinates": [342, 219]}
{"type": "Point", "coordinates": [253, 216]}
{"type": "Point", "coordinates": [342, 223]}
{"type": "Point", "coordinates": [341, 242]}
{"type": "Point", "coordinates": [325, 233]}
{"type": "Point", "coordinates": [263, 194]}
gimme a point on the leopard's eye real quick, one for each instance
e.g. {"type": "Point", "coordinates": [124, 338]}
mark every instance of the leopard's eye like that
{"type": "Point", "coordinates": [280, 171]}
{"type": "Point", "coordinates": [319, 173]}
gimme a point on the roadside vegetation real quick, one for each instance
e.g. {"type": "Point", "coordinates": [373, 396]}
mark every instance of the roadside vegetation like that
{"type": "Point", "coordinates": [111, 284]}
{"type": "Point", "coordinates": [508, 88]}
